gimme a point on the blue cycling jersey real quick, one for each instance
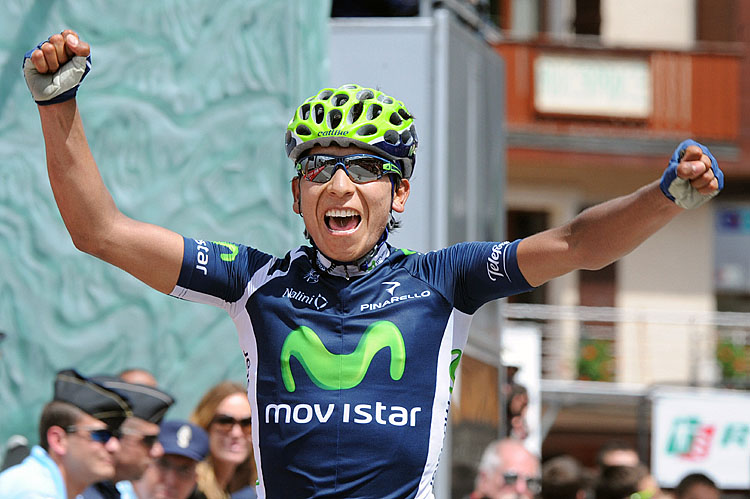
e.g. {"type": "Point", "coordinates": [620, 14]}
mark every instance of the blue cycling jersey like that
{"type": "Point", "coordinates": [349, 372]}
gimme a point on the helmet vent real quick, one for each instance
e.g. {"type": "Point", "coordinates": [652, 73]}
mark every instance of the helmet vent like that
{"type": "Point", "coordinates": [396, 119]}
{"type": "Point", "coordinates": [391, 136]}
{"type": "Point", "coordinates": [339, 99]}
{"type": "Point", "coordinates": [334, 118]}
{"type": "Point", "coordinates": [406, 137]}
{"type": "Point", "coordinates": [374, 111]}
{"type": "Point", "coordinates": [355, 112]}
{"type": "Point", "coordinates": [404, 114]}
{"type": "Point", "coordinates": [319, 113]}
{"type": "Point", "coordinates": [302, 130]}
{"type": "Point", "coordinates": [304, 112]}
{"type": "Point", "coordinates": [365, 94]}
{"type": "Point", "coordinates": [385, 99]}
{"type": "Point", "coordinates": [325, 94]}
{"type": "Point", "coordinates": [368, 130]}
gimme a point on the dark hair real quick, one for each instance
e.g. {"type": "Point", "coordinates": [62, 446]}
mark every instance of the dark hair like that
{"type": "Point", "coordinates": [57, 413]}
{"type": "Point", "coordinates": [562, 478]}
{"type": "Point", "coordinates": [693, 479]}
{"type": "Point", "coordinates": [609, 446]}
{"type": "Point", "coordinates": [616, 482]}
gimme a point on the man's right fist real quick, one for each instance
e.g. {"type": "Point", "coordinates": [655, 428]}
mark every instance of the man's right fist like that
{"type": "Point", "coordinates": [56, 67]}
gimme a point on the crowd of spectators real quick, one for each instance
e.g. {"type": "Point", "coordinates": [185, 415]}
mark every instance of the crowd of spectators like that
{"type": "Point", "coordinates": [103, 437]}
{"type": "Point", "coordinates": [108, 437]}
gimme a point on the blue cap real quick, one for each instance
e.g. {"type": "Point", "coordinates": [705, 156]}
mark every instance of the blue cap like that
{"type": "Point", "coordinates": [183, 438]}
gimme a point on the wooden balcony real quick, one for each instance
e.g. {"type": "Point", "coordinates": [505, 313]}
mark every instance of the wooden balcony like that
{"type": "Point", "coordinates": [679, 94]}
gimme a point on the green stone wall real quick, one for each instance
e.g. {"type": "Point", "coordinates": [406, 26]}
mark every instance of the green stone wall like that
{"type": "Point", "coordinates": [185, 111]}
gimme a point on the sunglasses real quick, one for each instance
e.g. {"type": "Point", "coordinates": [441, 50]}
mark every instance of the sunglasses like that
{"type": "Point", "coordinates": [147, 440]}
{"type": "Point", "coordinates": [533, 484]}
{"type": "Point", "coordinates": [361, 168]}
{"type": "Point", "coordinates": [101, 435]}
{"type": "Point", "coordinates": [225, 423]}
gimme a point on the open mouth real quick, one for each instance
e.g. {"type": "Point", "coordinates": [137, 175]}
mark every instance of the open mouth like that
{"type": "Point", "coordinates": [342, 220]}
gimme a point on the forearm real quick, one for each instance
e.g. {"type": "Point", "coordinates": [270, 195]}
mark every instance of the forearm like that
{"type": "Point", "coordinates": [597, 236]}
{"type": "Point", "coordinates": [605, 232]}
{"type": "Point", "coordinates": [85, 204]}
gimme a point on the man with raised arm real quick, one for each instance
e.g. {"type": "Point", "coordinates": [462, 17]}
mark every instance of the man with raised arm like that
{"type": "Point", "coordinates": [350, 344]}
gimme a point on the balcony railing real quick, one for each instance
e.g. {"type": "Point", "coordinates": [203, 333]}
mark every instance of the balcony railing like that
{"type": "Point", "coordinates": [639, 346]}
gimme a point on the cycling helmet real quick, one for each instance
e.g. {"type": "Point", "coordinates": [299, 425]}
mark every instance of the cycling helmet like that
{"type": "Point", "coordinates": [354, 115]}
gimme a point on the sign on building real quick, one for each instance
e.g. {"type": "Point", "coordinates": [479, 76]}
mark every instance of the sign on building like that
{"type": "Point", "coordinates": [697, 430]}
{"type": "Point", "coordinates": [592, 86]}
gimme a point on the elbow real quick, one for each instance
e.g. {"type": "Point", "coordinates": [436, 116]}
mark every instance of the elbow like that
{"type": "Point", "coordinates": [93, 242]}
{"type": "Point", "coordinates": [92, 235]}
{"type": "Point", "coordinates": [596, 265]}
{"type": "Point", "coordinates": [85, 244]}
{"type": "Point", "coordinates": [593, 258]}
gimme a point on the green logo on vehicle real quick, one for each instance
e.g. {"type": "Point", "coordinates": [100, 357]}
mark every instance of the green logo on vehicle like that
{"type": "Point", "coordinates": [233, 250]}
{"type": "Point", "coordinates": [330, 371]}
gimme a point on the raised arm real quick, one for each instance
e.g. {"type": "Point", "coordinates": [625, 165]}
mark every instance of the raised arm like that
{"type": "Point", "coordinates": [148, 252]}
{"type": "Point", "coordinates": [603, 233]}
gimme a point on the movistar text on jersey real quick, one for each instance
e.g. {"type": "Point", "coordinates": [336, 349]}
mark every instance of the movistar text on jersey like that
{"type": "Point", "coordinates": [376, 306]}
{"type": "Point", "coordinates": [379, 413]}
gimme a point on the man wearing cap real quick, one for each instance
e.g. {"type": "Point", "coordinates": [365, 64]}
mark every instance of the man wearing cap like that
{"type": "Point", "coordinates": [138, 436]}
{"type": "Point", "coordinates": [172, 476]}
{"type": "Point", "coordinates": [76, 441]}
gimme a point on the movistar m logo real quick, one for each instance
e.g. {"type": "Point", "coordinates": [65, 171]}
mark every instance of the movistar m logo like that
{"type": "Point", "coordinates": [233, 250]}
{"type": "Point", "coordinates": [330, 371]}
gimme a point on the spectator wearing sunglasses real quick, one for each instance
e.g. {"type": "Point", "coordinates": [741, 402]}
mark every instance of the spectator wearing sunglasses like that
{"type": "Point", "coordinates": [77, 443]}
{"type": "Point", "coordinates": [173, 475]}
{"type": "Point", "coordinates": [507, 470]}
{"type": "Point", "coordinates": [229, 470]}
{"type": "Point", "coordinates": [351, 344]}
{"type": "Point", "coordinates": [138, 435]}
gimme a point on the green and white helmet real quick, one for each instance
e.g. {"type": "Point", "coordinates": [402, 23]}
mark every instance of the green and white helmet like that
{"type": "Point", "coordinates": [358, 116]}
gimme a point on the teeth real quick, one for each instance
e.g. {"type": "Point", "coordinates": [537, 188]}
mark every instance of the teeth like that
{"type": "Point", "coordinates": [341, 213]}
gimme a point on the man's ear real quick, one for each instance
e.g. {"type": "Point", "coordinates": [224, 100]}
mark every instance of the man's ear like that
{"type": "Point", "coordinates": [57, 440]}
{"type": "Point", "coordinates": [295, 195]}
{"type": "Point", "coordinates": [400, 196]}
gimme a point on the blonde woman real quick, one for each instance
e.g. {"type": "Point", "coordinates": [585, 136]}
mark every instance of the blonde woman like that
{"type": "Point", "coordinates": [229, 469]}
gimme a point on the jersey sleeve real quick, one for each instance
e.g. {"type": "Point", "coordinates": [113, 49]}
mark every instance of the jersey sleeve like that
{"type": "Point", "coordinates": [217, 273]}
{"type": "Point", "coordinates": [472, 274]}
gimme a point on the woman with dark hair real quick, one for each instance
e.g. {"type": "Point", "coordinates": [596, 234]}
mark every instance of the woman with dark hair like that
{"type": "Point", "coordinates": [229, 469]}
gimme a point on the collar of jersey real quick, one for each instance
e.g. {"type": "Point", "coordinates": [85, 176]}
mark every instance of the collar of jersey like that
{"type": "Point", "coordinates": [372, 259]}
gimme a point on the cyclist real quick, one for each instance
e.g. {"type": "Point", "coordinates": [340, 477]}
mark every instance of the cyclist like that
{"type": "Point", "coordinates": [350, 344]}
